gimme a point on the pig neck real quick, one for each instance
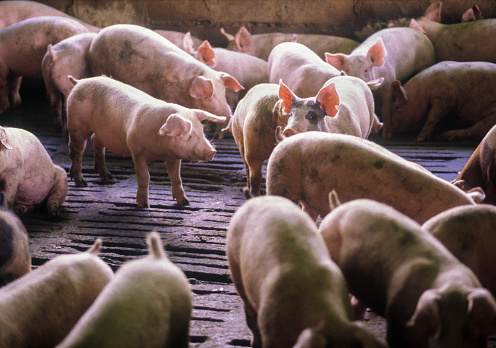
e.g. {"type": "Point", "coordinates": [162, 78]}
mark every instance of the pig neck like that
{"type": "Point", "coordinates": [431, 28]}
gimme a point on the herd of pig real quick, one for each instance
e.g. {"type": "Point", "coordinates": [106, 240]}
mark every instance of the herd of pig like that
{"type": "Point", "coordinates": [412, 247]}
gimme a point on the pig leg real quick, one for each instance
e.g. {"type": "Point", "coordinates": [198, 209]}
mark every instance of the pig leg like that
{"type": "Point", "coordinates": [254, 174]}
{"type": "Point", "coordinates": [59, 192]}
{"type": "Point", "coordinates": [478, 130]}
{"type": "Point", "coordinates": [100, 166]}
{"type": "Point", "coordinates": [143, 178]}
{"type": "Point", "coordinates": [438, 110]}
{"type": "Point", "coordinates": [14, 86]}
{"type": "Point", "coordinates": [77, 144]}
{"type": "Point", "coordinates": [174, 168]}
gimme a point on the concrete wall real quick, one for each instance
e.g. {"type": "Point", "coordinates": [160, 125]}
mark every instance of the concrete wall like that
{"type": "Point", "coordinates": [204, 18]}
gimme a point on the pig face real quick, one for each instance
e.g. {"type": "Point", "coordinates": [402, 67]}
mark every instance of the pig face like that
{"type": "Point", "coordinates": [408, 111]}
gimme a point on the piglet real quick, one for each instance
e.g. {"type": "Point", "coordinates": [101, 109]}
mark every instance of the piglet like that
{"type": "Point", "coordinates": [391, 53]}
{"type": "Point", "coordinates": [399, 270]}
{"type": "Point", "coordinates": [27, 174]}
{"type": "Point", "coordinates": [292, 292]}
{"type": "Point", "coordinates": [301, 69]}
{"type": "Point", "coordinates": [307, 166]}
{"type": "Point", "coordinates": [480, 169]}
{"type": "Point", "coordinates": [344, 105]}
{"type": "Point", "coordinates": [462, 89]}
{"type": "Point", "coordinates": [15, 254]}
{"type": "Point", "coordinates": [468, 232]}
{"type": "Point", "coordinates": [40, 308]}
{"type": "Point", "coordinates": [253, 126]}
{"type": "Point", "coordinates": [147, 304]}
{"type": "Point", "coordinates": [22, 48]}
{"type": "Point", "coordinates": [149, 130]}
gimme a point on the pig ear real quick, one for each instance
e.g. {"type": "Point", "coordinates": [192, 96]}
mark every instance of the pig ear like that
{"type": "Point", "coordinates": [278, 116]}
{"type": "Point", "coordinates": [52, 54]}
{"type": "Point", "coordinates": [329, 99]}
{"type": "Point", "coordinates": [243, 40]}
{"type": "Point", "coordinates": [336, 60]}
{"type": "Point", "coordinates": [286, 97]}
{"type": "Point", "coordinates": [228, 36]}
{"type": "Point", "coordinates": [433, 12]}
{"type": "Point", "coordinates": [477, 194]}
{"type": "Point", "coordinates": [176, 126]}
{"type": "Point", "coordinates": [376, 53]}
{"type": "Point", "coordinates": [155, 247]}
{"type": "Point", "coordinates": [416, 25]}
{"type": "Point", "coordinates": [204, 115]}
{"type": "Point", "coordinates": [96, 247]}
{"type": "Point", "coordinates": [201, 88]}
{"type": "Point", "coordinates": [188, 45]}
{"type": "Point", "coordinates": [230, 82]}
{"type": "Point", "coordinates": [399, 91]}
{"type": "Point", "coordinates": [481, 312]}
{"type": "Point", "coordinates": [426, 317]}
{"type": "Point", "coordinates": [375, 84]}
{"type": "Point", "coordinates": [3, 139]}
{"type": "Point", "coordinates": [206, 54]}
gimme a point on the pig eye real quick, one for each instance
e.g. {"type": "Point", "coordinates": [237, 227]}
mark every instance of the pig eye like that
{"type": "Point", "coordinates": [311, 116]}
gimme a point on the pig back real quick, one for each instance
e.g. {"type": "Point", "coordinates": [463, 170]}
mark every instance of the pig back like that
{"type": "Point", "coordinates": [307, 166]}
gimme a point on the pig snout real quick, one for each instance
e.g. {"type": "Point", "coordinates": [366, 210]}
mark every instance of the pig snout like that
{"type": "Point", "coordinates": [209, 154]}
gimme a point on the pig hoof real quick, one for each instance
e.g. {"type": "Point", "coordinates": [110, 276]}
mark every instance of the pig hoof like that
{"type": "Point", "coordinates": [80, 183]}
{"type": "Point", "coordinates": [53, 210]}
{"type": "Point", "coordinates": [143, 205]}
{"type": "Point", "coordinates": [183, 201]}
{"type": "Point", "coordinates": [21, 209]}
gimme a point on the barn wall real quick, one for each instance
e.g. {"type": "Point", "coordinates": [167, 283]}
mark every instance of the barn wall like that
{"type": "Point", "coordinates": [204, 18]}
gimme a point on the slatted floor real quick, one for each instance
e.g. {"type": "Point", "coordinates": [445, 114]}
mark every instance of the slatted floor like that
{"type": "Point", "coordinates": [194, 235]}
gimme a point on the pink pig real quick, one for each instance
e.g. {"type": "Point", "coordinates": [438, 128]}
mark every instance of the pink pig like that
{"type": "Point", "coordinates": [149, 130]}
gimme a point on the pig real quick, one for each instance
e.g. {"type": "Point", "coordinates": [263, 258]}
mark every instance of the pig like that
{"type": "Point", "coordinates": [184, 41]}
{"type": "Point", "coordinates": [302, 70]}
{"type": "Point", "coordinates": [400, 271]}
{"type": "Point", "coordinates": [28, 175]}
{"type": "Point", "coordinates": [291, 290]}
{"type": "Point", "coordinates": [307, 166]}
{"type": "Point", "coordinates": [149, 130]}
{"type": "Point", "coordinates": [391, 53]}
{"type": "Point", "coordinates": [462, 42]}
{"type": "Point", "coordinates": [248, 70]}
{"type": "Point", "coordinates": [468, 233]}
{"type": "Point", "coordinates": [68, 57]}
{"type": "Point", "coordinates": [15, 254]}
{"type": "Point", "coordinates": [480, 170]}
{"type": "Point", "coordinates": [144, 59]}
{"type": "Point", "coordinates": [462, 89]}
{"type": "Point", "coordinates": [12, 12]}
{"type": "Point", "coordinates": [23, 46]}
{"type": "Point", "coordinates": [253, 126]}
{"type": "Point", "coordinates": [260, 45]}
{"type": "Point", "coordinates": [147, 304]}
{"type": "Point", "coordinates": [344, 105]}
{"type": "Point", "coordinates": [40, 308]}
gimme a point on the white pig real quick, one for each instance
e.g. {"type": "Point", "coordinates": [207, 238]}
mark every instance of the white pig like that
{"type": "Point", "coordinates": [468, 232]}
{"type": "Point", "coordinates": [307, 166]}
{"type": "Point", "coordinates": [302, 70]}
{"type": "Point", "coordinates": [292, 291]}
{"type": "Point", "coordinates": [22, 48]}
{"type": "Point", "coordinates": [253, 126]}
{"type": "Point", "coordinates": [142, 58]}
{"type": "Point", "coordinates": [27, 173]}
{"type": "Point", "coordinates": [147, 304]}
{"type": "Point", "coordinates": [480, 169]}
{"type": "Point", "coordinates": [391, 53]}
{"type": "Point", "coordinates": [260, 45]}
{"type": "Point", "coordinates": [68, 57]}
{"type": "Point", "coordinates": [399, 270]}
{"type": "Point", "coordinates": [40, 308]}
{"type": "Point", "coordinates": [129, 122]}
{"type": "Point", "coordinates": [462, 89]}
{"type": "Point", "coordinates": [15, 254]}
{"type": "Point", "coordinates": [344, 105]}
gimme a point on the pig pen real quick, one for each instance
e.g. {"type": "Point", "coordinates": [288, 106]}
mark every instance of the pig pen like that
{"type": "Point", "coordinates": [193, 235]}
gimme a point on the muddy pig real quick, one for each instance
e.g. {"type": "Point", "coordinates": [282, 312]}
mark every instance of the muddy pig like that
{"type": "Point", "coordinates": [302, 70]}
{"type": "Point", "coordinates": [480, 170]}
{"type": "Point", "coordinates": [15, 253]}
{"type": "Point", "coordinates": [307, 166]}
{"type": "Point", "coordinates": [260, 45]}
{"type": "Point", "coordinates": [468, 232]}
{"type": "Point", "coordinates": [22, 48]}
{"type": "Point", "coordinates": [399, 270]}
{"type": "Point", "coordinates": [68, 57]}
{"type": "Point", "coordinates": [40, 308]}
{"type": "Point", "coordinates": [462, 89]}
{"type": "Point", "coordinates": [291, 290]}
{"type": "Point", "coordinates": [344, 105]}
{"type": "Point", "coordinates": [151, 63]}
{"type": "Point", "coordinates": [148, 130]}
{"type": "Point", "coordinates": [391, 53]}
{"type": "Point", "coordinates": [253, 126]}
{"type": "Point", "coordinates": [28, 175]}
{"type": "Point", "coordinates": [147, 304]}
